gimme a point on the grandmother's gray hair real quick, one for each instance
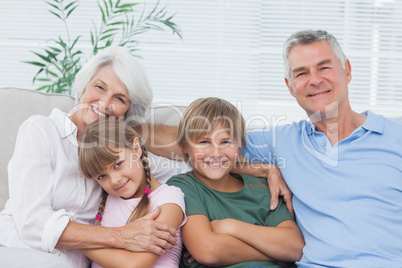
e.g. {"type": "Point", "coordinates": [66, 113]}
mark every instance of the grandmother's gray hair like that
{"type": "Point", "coordinates": [306, 37]}
{"type": "Point", "coordinates": [130, 72]}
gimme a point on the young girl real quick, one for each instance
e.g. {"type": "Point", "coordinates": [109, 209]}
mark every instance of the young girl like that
{"type": "Point", "coordinates": [111, 153]}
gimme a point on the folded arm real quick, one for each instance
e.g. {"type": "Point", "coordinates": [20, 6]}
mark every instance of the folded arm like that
{"type": "Point", "coordinates": [283, 242]}
{"type": "Point", "coordinates": [170, 214]}
{"type": "Point", "coordinates": [216, 249]}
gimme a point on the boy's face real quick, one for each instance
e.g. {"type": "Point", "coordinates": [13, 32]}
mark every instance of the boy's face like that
{"type": "Point", "coordinates": [213, 156]}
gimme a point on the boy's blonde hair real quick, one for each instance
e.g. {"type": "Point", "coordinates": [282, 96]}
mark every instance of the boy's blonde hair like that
{"type": "Point", "coordinates": [100, 144]}
{"type": "Point", "coordinates": [204, 114]}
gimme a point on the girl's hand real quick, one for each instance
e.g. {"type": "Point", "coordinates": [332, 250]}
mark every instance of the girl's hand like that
{"type": "Point", "coordinates": [146, 234]}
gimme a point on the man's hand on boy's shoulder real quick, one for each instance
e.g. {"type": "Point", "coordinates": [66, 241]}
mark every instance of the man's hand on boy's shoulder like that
{"type": "Point", "coordinates": [278, 187]}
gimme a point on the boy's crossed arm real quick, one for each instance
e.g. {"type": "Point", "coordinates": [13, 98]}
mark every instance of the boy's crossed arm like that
{"type": "Point", "coordinates": [216, 249]}
{"type": "Point", "coordinates": [230, 241]}
{"type": "Point", "coordinates": [283, 242]}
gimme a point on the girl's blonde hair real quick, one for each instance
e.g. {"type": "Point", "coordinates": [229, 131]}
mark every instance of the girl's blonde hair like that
{"type": "Point", "coordinates": [100, 144]}
{"type": "Point", "coordinates": [204, 114]}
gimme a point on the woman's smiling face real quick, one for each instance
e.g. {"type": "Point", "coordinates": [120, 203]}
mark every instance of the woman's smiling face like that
{"type": "Point", "coordinates": [105, 95]}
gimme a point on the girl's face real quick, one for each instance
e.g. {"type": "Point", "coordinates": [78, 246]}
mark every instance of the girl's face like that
{"type": "Point", "coordinates": [105, 95]}
{"type": "Point", "coordinates": [213, 156]}
{"type": "Point", "coordinates": [125, 177]}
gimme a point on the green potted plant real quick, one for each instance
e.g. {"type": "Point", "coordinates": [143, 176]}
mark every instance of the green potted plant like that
{"type": "Point", "coordinates": [61, 60]}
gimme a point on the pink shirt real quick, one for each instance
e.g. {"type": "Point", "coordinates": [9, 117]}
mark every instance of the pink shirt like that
{"type": "Point", "coordinates": [117, 211]}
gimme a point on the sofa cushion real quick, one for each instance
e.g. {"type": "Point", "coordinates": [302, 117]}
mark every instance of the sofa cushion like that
{"type": "Point", "coordinates": [19, 104]}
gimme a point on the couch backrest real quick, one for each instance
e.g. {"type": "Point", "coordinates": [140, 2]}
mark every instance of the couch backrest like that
{"type": "Point", "coordinates": [19, 104]}
{"type": "Point", "coordinates": [16, 106]}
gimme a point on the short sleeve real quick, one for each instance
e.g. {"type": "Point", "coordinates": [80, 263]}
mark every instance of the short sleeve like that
{"type": "Point", "coordinates": [280, 214]}
{"type": "Point", "coordinates": [192, 198]}
{"type": "Point", "coordinates": [170, 194]}
{"type": "Point", "coordinates": [258, 148]}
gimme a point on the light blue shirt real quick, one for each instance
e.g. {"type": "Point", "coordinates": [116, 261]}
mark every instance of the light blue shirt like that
{"type": "Point", "coordinates": [347, 198]}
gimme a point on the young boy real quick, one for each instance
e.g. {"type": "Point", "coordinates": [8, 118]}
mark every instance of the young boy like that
{"type": "Point", "coordinates": [229, 221]}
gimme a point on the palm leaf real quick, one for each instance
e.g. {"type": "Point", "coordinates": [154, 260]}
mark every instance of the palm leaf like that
{"type": "Point", "coordinates": [71, 11]}
{"type": "Point", "coordinates": [57, 15]}
{"type": "Point", "coordinates": [61, 59]}
{"type": "Point", "coordinates": [53, 5]}
{"type": "Point", "coordinates": [69, 5]}
{"type": "Point", "coordinates": [35, 63]}
{"type": "Point", "coordinates": [107, 8]}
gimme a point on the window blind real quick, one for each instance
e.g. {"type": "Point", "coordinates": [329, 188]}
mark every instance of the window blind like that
{"type": "Point", "coordinates": [231, 49]}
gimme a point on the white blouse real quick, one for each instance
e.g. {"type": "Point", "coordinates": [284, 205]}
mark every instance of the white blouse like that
{"type": "Point", "coordinates": [47, 189]}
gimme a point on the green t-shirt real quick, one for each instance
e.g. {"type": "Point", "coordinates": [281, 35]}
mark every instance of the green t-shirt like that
{"type": "Point", "coordinates": [250, 204]}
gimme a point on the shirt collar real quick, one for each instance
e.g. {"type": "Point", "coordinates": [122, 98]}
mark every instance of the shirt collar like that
{"type": "Point", "coordinates": [63, 123]}
{"type": "Point", "coordinates": [374, 122]}
{"type": "Point", "coordinates": [309, 127]}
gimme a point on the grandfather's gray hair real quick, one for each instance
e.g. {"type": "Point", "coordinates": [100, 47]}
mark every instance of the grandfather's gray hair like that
{"type": "Point", "coordinates": [306, 37]}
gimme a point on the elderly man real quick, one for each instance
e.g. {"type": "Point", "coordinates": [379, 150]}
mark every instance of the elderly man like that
{"type": "Point", "coordinates": [344, 168]}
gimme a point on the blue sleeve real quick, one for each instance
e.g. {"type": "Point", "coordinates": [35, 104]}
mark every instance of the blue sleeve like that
{"type": "Point", "coordinates": [258, 148]}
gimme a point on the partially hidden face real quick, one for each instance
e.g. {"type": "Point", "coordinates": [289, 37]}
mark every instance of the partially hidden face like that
{"type": "Point", "coordinates": [213, 155]}
{"type": "Point", "coordinates": [125, 177]}
{"type": "Point", "coordinates": [318, 81]}
{"type": "Point", "coordinates": [105, 95]}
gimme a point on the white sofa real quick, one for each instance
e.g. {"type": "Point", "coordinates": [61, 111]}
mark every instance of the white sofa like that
{"type": "Point", "coordinates": [19, 104]}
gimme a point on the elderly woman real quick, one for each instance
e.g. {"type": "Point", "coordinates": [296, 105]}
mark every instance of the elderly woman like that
{"type": "Point", "coordinates": [52, 207]}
